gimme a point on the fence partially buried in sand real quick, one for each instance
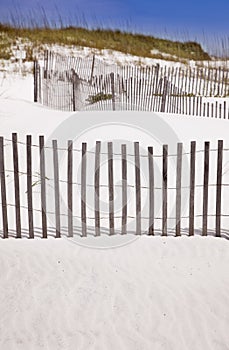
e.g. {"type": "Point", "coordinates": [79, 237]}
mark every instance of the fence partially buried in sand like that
{"type": "Point", "coordinates": [150, 211]}
{"type": "Point", "coordinates": [68, 83]}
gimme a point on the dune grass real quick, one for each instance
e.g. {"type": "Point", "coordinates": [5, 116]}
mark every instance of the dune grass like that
{"type": "Point", "coordinates": [128, 43]}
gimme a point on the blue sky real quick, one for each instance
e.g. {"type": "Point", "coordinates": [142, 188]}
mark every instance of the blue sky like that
{"type": "Point", "coordinates": [179, 17]}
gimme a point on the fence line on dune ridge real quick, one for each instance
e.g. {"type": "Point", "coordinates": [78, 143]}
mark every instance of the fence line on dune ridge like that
{"type": "Point", "coordinates": [24, 189]}
{"type": "Point", "coordinates": [198, 81]}
{"type": "Point", "coordinates": [70, 84]}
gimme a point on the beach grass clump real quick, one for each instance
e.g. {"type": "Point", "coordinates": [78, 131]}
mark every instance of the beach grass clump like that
{"type": "Point", "coordinates": [6, 43]}
{"type": "Point", "coordinates": [98, 97]}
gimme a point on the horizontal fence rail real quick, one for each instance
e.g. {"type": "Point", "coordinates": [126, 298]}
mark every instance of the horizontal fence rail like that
{"type": "Point", "coordinates": [70, 83]}
{"type": "Point", "coordinates": [111, 188]}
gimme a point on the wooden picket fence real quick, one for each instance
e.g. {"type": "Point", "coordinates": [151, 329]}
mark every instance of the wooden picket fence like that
{"type": "Point", "coordinates": [70, 84]}
{"type": "Point", "coordinates": [113, 93]}
{"type": "Point", "coordinates": [198, 81]}
{"type": "Point", "coordinates": [138, 156]}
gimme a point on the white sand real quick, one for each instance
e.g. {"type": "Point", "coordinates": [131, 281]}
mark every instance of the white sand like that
{"type": "Point", "coordinates": [154, 293]}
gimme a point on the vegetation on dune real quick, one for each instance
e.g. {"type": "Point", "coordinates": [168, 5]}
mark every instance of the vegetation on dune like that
{"type": "Point", "coordinates": [98, 97]}
{"type": "Point", "coordinates": [129, 43]}
{"type": "Point", "coordinates": [5, 45]}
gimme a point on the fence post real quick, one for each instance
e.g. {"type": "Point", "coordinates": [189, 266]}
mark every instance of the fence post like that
{"type": "Point", "coordinates": [204, 109]}
{"type": "Point", "coordinates": [111, 187]}
{"type": "Point", "coordinates": [192, 187]}
{"type": "Point", "coordinates": [164, 190]}
{"type": "Point", "coordinates": [35, 80]}
{"type": "Point", "coordinates": [97, 188]}
{"type": "Point", "coordinates": [83, 189]}
{"type": "Point", "coordinates": [69, 175]}
{"type": "Point", "coordinates": [201, 108]}
{"type": "Point", "coordinates": [178, 189]}
{"type": "Point", "coordinates": [124, 189]}
{"type": "Point", "coordinates": [3, 189]}
{"type": "Point", "coordinates": [46, 64]}
{"type": "Point", "coordinates": [40, 90]}
{"type": "Point", "coordinates": [16, 185]}
{"type": "Point", "coordinates": [205, 194]}
{"type": "Point", "coordinates": [212, 110]}
{"type": "Point", "coordinates": [112, 91]}
{"type": "Point", "coordinates": [151, 191]}
{"type": "Point", "coordinates": [219, 188]}
{"type": "Point", "coordinates": [138, 187]}
{"type": "Point", "coordinates": [208, 114]}
{"type": "Point", "coordinates": [43, 186]}
{"type": "Point", "coordinates": [56, 187]}
{"type": "Point", "coordinates": [29, 185]}
{"type": "Point", "coordinates": [224, 109]}
{"type": "Point", "coordinates": [164, 94]}
{"type": "Point", "coordinates": [220, 110]}
{"type": "Point", "coordinates": [92, 68]}
{"type": "Point", "coordinates": [157, 68]}
{"type": "Point", "coordinates": [73, 91]}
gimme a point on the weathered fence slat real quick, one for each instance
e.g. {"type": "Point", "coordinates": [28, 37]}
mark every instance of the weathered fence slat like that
{"type": "Point", "coordinates": [151, 191]}
{"type": "Point", "coordinates": [205, 190]}
{"type": "Point", "coordinates": [35, 75]}
{"type": "Point", "coordinates": [164, 94]}
{"type": "Point", "coordinates": [192, 188]}
{"type": "Point", "coordinates": [124, 189]}
{"type": "Point", "coordinates": [56, 187]}
{"type": "Point", "coordinates": [69, 176]}
{"type": "Point", "coordinates": [74, 91]}
{"type": "Point", "coordinates": [164, 189]}
{"type": "Point", "coordinates": [29, 185]}
{"type": "Point", "coordinates": [178, 189]}
{"type": "Point", "coordinates": [137, 187]}
{"type": "Point", "coordinates": [112, 91]}
{"type": "Point", "coordinates": [16, 185]}
{"type": "Point", "coordinates": [3, 189]}
{"type": "Point", "coordinates": [43, 186]}
{"type": "Point", "coordinates": [92, 68]}
{"type": "Point", "coordinates": [97, 188]}
{"type": "Point", "coordinates": [219, 188]}
{"type": "Point", "coordinates": [208, 109]}
{"type": "Point", "coordinates": [111, 187]}
{"type": "Point", "coordinates": [83, 189]}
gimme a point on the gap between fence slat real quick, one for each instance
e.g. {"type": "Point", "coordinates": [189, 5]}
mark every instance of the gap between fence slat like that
{"type": "Point", "coordinates": [178, 188]}
{"type": "Point", "coordinates": [97, 187]}
{"type": "Point", "coordinates": [3, 189]}
{"type": "Point", "coordinates": [151, 191]}
{"type": "Point", "coordinates": [69, 176]}
{"type": "Point", "coordinates": [83, 189]}
{"type": "Point", "coordinates": [43, 186]}
{"type": "Point", "coordinates": [124, 189]}
{"type": "Point", "coordinates": [56, 187]}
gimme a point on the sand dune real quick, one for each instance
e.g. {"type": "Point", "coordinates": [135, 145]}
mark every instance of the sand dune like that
{"type": "Point", "coordinates": [154, 293]}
